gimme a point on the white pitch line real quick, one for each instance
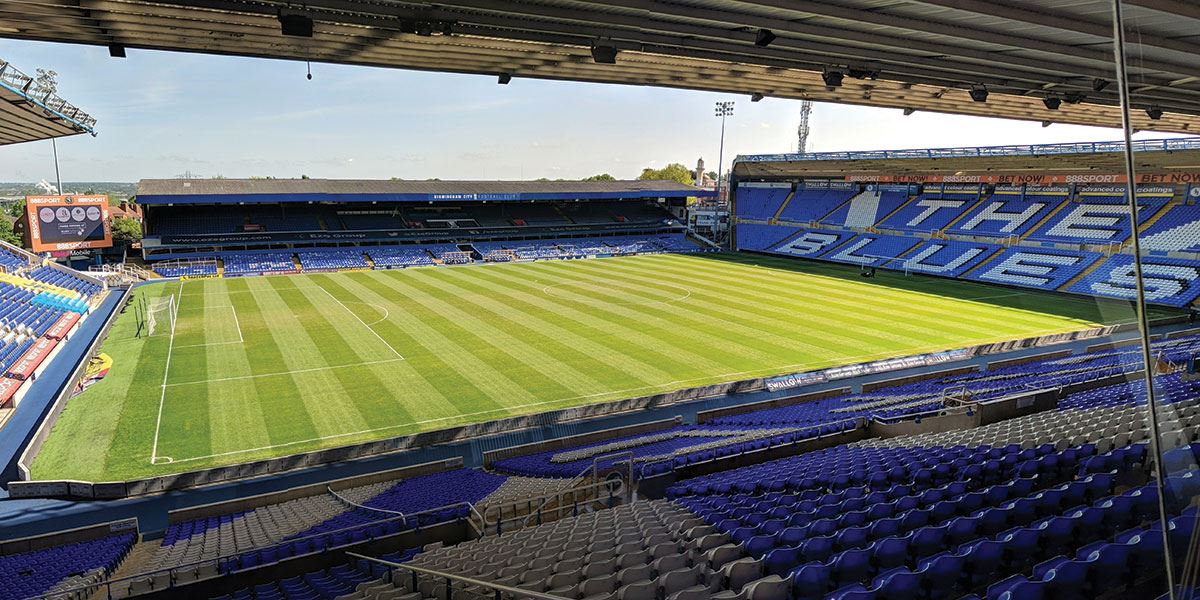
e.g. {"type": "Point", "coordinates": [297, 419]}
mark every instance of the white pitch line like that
{"type": "Point", "coordinates": [162, 398]}
{"type": "Point", "coordinates": [364, 323]}
{"type": "Point", "coordinates": [292, 372]}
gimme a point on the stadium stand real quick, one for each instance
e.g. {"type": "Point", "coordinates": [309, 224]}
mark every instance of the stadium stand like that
{"type": "Point", "coordinates": [1178, 230]}
{"type": "Point", "coordinates": [809, 206]}
{"type": "Point", "coordinates": [1040, 268]}
{"type": "Point", "coordinates": [257, 263]}
{"type": "Point", "coordinates": [872, 249]}
{"type": "Point", "coordinates": [1005, 217]}
{"type": "Point", "coordinates": [930, 212]}
{"type": "Point", "coordinates": [399, 256]}
{"type": "Point", "coordinates": [1097, 219]}
{"type": "Point", "coordinates": [65, 280]}
{"type": "Point", "coordinates": [199, 269]}
{"type": "Point", "coordinates": [866, 209]}
{"type": "Point", "coordinates": [762, 203]}
{"type": "Point", "coordinates": [331, 259]}
{"type": "Point", "coordinates": [39, 572]}
{"type": "Point", "coordinates": [944, 257]}
{"type": "Point", "coordinates": [1167, 281]}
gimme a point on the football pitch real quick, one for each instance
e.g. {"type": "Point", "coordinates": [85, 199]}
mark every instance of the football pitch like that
{"type": "Point", "coordinates": [270, 366]}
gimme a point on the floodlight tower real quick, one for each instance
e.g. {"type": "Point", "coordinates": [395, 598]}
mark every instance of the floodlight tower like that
{"type": "Point", "coordinates": [802, 130]}
{"type": "Point", "coordinates": [723, 109]}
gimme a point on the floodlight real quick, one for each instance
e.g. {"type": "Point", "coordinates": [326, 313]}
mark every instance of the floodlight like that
{"type": "Point", "coordinates": [764, 38]}
{"type": "Point", "coordinates": [295, 25]}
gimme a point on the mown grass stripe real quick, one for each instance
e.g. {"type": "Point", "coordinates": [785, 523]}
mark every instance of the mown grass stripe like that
{"type": "Point", "coordinates": [613, 327]}
{"type": "Point", "coordinates": [733, 352]}
{"type": "Point", "coordinates": [769, 319]}
{"type": "Point", "coordinates": [695, 313]}
{"type": "Point", "coordinates": [542, 373]}
{"type": "Point", "coordinates": [276, 395]}
{"type": "Point", "coordinates": [592, 337]}
{"type": "Point", "coordinates": [187, 427]}
{"type": "Point", "coordinates": [431, 387]}
{"type": "Point", "coordinates": [488, 384]}
{"type": "Point", "coordinates": [974, 315]}
{"type": "Point", "coordinates": [810, 312]}
{"type": "Point", "coordinates": [565, 346]}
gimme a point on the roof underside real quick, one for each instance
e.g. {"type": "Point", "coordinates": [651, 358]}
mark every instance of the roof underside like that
{"type": "Point", "coordinates": [209, 187]}
{"type": "Point", "coordinates": [1108, 162]}
{"type": "Point", "coordinates": [29, 113]}
{"type": "Point", "coordinates": [926, 54]}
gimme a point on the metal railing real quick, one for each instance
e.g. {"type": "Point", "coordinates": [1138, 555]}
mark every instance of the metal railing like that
{"type": "Point", "coordinates": [1192, 143]}
{"type": "Point", "coordinates": [450, 578]}
{"type": "Point", "coordinates": [222, 564]}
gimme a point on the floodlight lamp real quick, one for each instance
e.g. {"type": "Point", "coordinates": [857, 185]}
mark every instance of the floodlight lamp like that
{"type": "Point", "coordinates": [764, 38]}
{"type": "Point", "coordinates": [832, 78]}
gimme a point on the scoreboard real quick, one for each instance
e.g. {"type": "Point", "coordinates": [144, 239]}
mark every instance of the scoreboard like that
{"type": "Point", "coordinates": [67, 222]}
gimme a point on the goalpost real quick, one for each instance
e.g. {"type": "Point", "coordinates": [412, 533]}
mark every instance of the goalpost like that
{"type": "Point", "coordinates": [160, 315]}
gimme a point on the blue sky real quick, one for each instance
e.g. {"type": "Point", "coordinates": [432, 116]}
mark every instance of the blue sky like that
{"type": "Point", "coordinates": [162, 114]}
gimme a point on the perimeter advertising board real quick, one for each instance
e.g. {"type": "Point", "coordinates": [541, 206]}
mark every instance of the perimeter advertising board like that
{"type": "Point", "coordinates": [67, 222]}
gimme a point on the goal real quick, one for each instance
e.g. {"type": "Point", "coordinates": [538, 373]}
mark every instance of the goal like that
{"type": "Point", "coordinates": [160, 316]}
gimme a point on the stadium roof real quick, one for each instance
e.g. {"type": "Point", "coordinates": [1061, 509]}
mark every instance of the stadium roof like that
{"type": "Point", "coordinates": [1173, 156]}
{"type": "Point", "coordinates": [210, 191]}
{"type": "Point", "coordinates": [29, 113]}
{"type": "Point", "coordinates": [916, 54]}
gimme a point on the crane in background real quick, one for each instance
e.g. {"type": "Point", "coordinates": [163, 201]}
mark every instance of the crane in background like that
{"type": "Point", "coordinates": [802, 130]}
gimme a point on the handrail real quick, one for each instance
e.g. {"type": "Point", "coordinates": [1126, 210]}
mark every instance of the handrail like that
{"type": "Point", "coordinates": [467, 580]}
{"type": "Point", "coordinates": [521, 519]}
{"type": "Point", "coordinates": [574, 482]}
{"type": "Point", "coordinates": [217, 560]}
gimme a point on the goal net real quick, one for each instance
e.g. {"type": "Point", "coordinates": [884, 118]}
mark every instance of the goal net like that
{"type": "Point", "coordinates": [160, 316]}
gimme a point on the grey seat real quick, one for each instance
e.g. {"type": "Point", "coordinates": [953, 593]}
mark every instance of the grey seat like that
{"type": "Point", "coordinates": [723, 555]}
{"type": "Point", "coordinates": [600, 567]}
{"type": "Point", "coordinates": [771, 587]}
{"type": "Point", "coordinates": [631, 559]}
{"type": "Point", "coordinates": [740, 572]}
{"type": "Point", "coordinates": [642, 572]}
{"type": "Point", "coordinates": [592, 586]}
{"type": "Point", "coordinates": [643, 590]}
{"type": "Point", "coordinates": [663, 549]}
{"type": "Point", "coordinates": [680, 579]}
{"type": "Point", "coordinates": [670, 563]}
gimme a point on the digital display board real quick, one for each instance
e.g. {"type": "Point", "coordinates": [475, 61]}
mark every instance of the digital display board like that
{"type": "Point", "coordinates": [68, 222]}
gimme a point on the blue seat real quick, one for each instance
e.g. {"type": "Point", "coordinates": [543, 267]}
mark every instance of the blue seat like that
{"type": "Point", "coordinates": [984, 560]}
{"type": "Point", "coordinates": [811, 581]}
{"type": "Point", "coordinates": [1108, 567]}
{"type": "Point", "coordinates": [816, 549]}
{"type": "Point", "coordinates": [781, 561]}
{"type": "Point", "coordinates": [852, 566]}
{"type": "Point", "coordinates": [898, 584]}
{"type": "Point", "coordinates": [890, 552]}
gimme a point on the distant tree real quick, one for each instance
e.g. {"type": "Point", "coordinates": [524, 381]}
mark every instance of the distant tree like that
{"type": "Point", "coordinates": [126, 230]}
{"type": "Point", "coordinates": [542, 179]}
{"type": "Point", "coordinates": [397, 179]}
{"type": "Point", "coordinates": [711, 175]}
{"type": "Point", "coordinates": [303, 176]}
{"type": "Point", "coordinates": [217, 177]}
{"type": "Point", "coordinates": [47, 80]}
{"type": "Point", "coordinates": [671, 172]}
{"type": "Point", "coordinates": [17, 210]}
{"type": "Point", "coordinates": [7, 235]}
{"type": "Point", "coordinates": [600, 177]}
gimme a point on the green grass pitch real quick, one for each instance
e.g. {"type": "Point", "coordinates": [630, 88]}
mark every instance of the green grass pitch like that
{"type": "Point", "coordinates": [270, 366]}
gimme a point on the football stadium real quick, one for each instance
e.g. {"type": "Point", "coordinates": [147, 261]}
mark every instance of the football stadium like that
{"type": "Point", "coordinates": [922, 373]}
